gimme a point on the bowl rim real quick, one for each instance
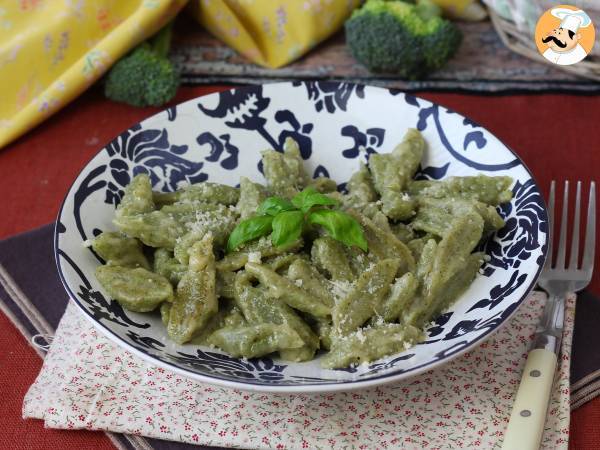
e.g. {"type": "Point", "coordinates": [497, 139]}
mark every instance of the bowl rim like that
{"type": "Point", "coordinates": [330, 386]}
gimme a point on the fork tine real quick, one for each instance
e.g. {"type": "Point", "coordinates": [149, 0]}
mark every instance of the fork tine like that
{"type": "Point", "coordinates": [562, 243]}
{"type": "Point", "coordinates": [548, 263]}
{"type": "Point", "coordinates": [574, 258]}
{"type": "Point", "coordinates": [590, 232]}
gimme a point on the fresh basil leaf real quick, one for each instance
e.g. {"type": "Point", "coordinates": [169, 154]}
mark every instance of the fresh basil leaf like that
{"type": "Point", "coordinates": [340, 226]}
{"type": "Point", "coordinates": [287, 227]}
{"type": "Point", "coordinates": [248, 230]}
{"type": "Point", "coordinates": [274, 205]}
{"type": "Point", "coordinates": [309, 197]}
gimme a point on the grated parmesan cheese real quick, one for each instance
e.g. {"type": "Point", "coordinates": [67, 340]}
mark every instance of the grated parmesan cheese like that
{"type": "Point", "coordinates": [212, 220]}
{"type": "Point", "coordinates": [254, 257]}
{"type": "Point", "coordinates": [340, 289]}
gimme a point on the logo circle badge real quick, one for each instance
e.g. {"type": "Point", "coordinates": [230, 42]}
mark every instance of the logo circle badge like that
{"type": "Point", "coordinates": [565, 35]}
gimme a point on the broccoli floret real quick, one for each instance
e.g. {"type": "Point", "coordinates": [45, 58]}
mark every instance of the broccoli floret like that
{"type": "Point", "coordinates": [145, 77]}
{"type": "Point", "coordinates": [401, 38]}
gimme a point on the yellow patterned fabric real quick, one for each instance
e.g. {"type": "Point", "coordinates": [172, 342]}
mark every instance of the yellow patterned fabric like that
{"type": "Point", "coordinates": [272, 33]}
{"type": "Point", "coordinates": [51, 51]}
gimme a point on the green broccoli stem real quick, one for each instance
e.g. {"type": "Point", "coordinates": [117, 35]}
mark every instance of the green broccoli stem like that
{"type": "Point", "coordinates": [161, 42]}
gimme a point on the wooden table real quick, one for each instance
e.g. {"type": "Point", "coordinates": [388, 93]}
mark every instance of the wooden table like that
{"type": "Point", "coordinates": [483, 64]}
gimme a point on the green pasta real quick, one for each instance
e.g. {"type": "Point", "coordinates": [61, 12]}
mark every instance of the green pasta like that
{"type": "Point", "coordinates": [119, 250]}
{"type": "Point", "coordinates": [323, 185]}
{"type": "Point", "coordinates": [135, 289]}
{"type": "Point", "coordinates": [138, 197]}
{"type": "Point", "coordinates": [490, 190]}
{"type": "Point", "coordinates": [329, 257]}
{"type": "Point", "coordinates": [255, 340]}
{"type": "Point", "coordinates": [370, 344]}
{"type": "Point", "coordinates": [365, 298]}
{"type": "Point", "coordinates": [251, 196]}
{"type": "Point", "coordinates": [358, 275]}
{"type": "Point", "coordinates": [288, 292]}
{"type": "Point", "coordinates": [392, 173]}
{"type": "Point", "coordinates": [195, 299]}
{"type": "Point", "coordinates": [310, 279]}
{"type": "Point", "coordinates": [284, 171]}
{"type": "Point", "coordinates": [204, 192]}
{"type": "Point", "coordinates": [257, 307]}
{"type": "Point", "coordinates": [167, 266]}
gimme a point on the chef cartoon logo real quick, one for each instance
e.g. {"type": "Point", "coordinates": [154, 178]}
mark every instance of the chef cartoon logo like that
{"type": "Point", "coordinates": [564, 35]}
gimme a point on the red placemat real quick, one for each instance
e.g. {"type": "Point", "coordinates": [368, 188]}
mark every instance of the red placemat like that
{"type": "Point", "coordinates": [556, 135]}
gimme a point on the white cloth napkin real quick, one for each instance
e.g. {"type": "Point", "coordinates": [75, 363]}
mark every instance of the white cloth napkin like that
{"type": "Point", "coordinates": [89, 382]}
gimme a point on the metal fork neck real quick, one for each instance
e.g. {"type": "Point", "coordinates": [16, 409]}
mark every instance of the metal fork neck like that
{"type": "Point", "coordinates": [549, 331]}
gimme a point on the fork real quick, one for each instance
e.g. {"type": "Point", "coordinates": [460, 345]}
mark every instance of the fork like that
{"type": "Point", "coordinates": [528, 416]}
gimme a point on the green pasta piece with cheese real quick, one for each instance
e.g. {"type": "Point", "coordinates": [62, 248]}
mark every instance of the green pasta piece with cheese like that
{"type": "Point", "coordinates": [167, 266]}
{"type": "Point", "coordinates": [360, 188]}
{"type": "Point", "coordinates": [381, 220]}
{"type": "Point", "coordinates": [435, 215]}
{"type": "Point", "coordinates": [280, 263]}
{"type": "Point", "coordinates": [254, 341]}
{"type": "Point", "coordinates": [304, 275]}
{"type": "Point", "coordinates": [251, 196]}
{"type": "Point", "coordinates": [324, 329]}
{"type": "Point", "coordinates": [323, 185]}
{"type": "Point", "coordinates": [155, 229]}
{"type": "Point", "coordinates": [257, 307]}
{"type": "Point", "coordinates": [392, 173]}
{"type": "Point", "coordinates": [426, 259]}
{"type": "Point", "coordinates": [136, 289]}
{"type": "Point", "coordinates": [453, 250]}
{"type": "Point", "coordinates": [202, 192]}
{"type": "Point", "coordinates": [163, 228]}
{"type": "Point", "coordinates": [365, 298]}
{"type": "Point", "coordinates": [416, 245]}
{"type": "Point", "coordinates": [451, 256]}
{"type": "Point", "coordinates": [456, 285]}
{"type": "Point", "coordinates": [284, 172]}
{"type": "Point", "coordinates": [218, 223]}
{"type": "Point", "coordinates": [228, 315]}
{"type": "Point", "coordinates": [383, 244]}
{"type": "Point", "coordinates": [119, 250]}
{"type": "Point", "coordinates": [329, 257]}
{"type": "Point", "coordinates": [256, 250]}
{"type": "Point", "coordinates": [137, 198]}
{"type": "Point", "coordinates": [165, 310]}
{"type": "Point", "coordinates": [225, 280]}
{"type": "Point", "coordinates": [195, 301]}
{"type": "Point", "coordinates": [366, 345]}
{"type": "Point", "coordinates": [288, 292]}
{"type": "Point", "coordinates": [402, 292]}
{"type": "Point", "coordinates": [403, 232]}
{"type": "Point", "coordinates": [359, 260]}
{"type": "Point", "coordinates": [489, 190]}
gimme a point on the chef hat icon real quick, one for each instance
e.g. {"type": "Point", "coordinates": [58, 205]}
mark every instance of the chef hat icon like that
{"type": "Point", "coordinates": [571, 19]}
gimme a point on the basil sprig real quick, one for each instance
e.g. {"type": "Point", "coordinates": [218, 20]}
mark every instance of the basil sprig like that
{"type": "Point", "coordinates": [285, 221]}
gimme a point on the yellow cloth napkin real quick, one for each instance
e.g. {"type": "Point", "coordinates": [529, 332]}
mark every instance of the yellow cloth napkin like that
{"type": "Point", "coordinates": [272, 33]}
{"type": "Point", "coordinates": [51, 51]}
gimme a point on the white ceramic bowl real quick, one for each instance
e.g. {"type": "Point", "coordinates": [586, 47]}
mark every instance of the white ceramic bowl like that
{"type": "Point", "coordinates": [219, 138]}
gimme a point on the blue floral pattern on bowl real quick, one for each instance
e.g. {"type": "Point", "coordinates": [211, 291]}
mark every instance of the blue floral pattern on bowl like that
{"type": "Point", "coordinates": [219, 138]}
